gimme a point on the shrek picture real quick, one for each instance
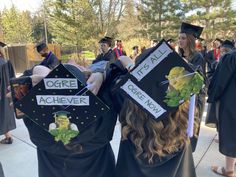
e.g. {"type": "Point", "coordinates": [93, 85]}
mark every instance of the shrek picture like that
{"type": "Point", "coordinates": [182, 84]}
{"type": "Point", "coordinates": [63, 130]}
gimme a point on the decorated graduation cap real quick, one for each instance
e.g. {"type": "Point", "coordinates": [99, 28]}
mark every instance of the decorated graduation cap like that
{"type": "Point", "coordinates": [62, 94]}
{"type": "Point", "coordinates": [40, 46]}
{"type": "Point", "coordinates": [160, 81]}
{"type": "Point", "coordinates": [227, 44]}
{"type": "Point", "coordinates": [187, 28]}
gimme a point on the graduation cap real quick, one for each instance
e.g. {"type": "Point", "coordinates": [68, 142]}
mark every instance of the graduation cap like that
{"type": "Point", "coordinates": [2, 44]}
{"type": "Point", "coordinates": [227, 44]}
{"type": "Point", "coordinates": [187, 28]}
{"type": "Point", "coordinates": [40, 46]}
{"type": "Point", "coordinates": [217, 39]}
{"type": "Point", "coordinates": [61, 113]}
{"type": "Point", "coordinates": [107, 40]}
{"type": "Point", "coordinates": [160, 81]}
{"type": "Point", "coordinates": [60, 93]}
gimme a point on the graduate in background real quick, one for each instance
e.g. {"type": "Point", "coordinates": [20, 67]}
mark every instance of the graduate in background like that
{"type": "Point", "coordinates": [187, 36]}
{"type": "Point", "coordinates": [212, 57]}
{"type": "Point", "coordinates": [118, 49]}
{"type": "Point", "coordinates": [106, 51]}
{"type": "Point", "coordinates": [50, 60]}
{"type": "Point", "coordinates": [221, 92]}
{"type": "Point", "coordinates": [7, 119]}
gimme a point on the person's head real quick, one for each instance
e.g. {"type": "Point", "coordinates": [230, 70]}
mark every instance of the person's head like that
{"type": "Point", "coordinates": [187, 36]}
{"type": "Point", "coordinates": [62, 119]}
{"type": "Point", "coordinates": [155, 138]}
{"type": "Point", "coordinates": [217, 43]}
{"type": "Point", "coordinates": [42, 49]}
{"type": "Point", "coordinates": [171, 42]}
{"type": "Point", "coordinates": [118, 43]}
{"type": "Point", "coordinates": [2, 45]}
{"type": "Point", "coordinates": [105, 44]}
{"type": "Point", "coordinates": [226, 47]}
{"type": "Point", "coordinates": [154, 42]}
{"type": "Point", "coordinates": [135, 50]}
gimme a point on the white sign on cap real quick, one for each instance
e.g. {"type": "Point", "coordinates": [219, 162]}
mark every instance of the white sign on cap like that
{"type": "Point", "coordinates": [151, 61]}
{"type": "Point", "coordinates": [143, 99]}
{"type": "Point", "coordinates": [62, 100]}
{"type": "Point", "coordinates": [60, 83]}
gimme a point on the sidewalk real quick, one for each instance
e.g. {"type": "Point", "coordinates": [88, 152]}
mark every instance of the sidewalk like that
{"type": "Point", "coordinates": [20, 160]}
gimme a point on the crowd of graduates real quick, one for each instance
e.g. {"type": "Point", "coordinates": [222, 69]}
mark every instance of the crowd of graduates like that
{"type": "Point", "coordinates": [148, 147]}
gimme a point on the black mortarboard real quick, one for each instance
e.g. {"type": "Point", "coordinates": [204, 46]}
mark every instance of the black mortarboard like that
{"type": "Point", "coordinates": [187, 28]}
{"type": "Point", "coordinates": [61, 112]}
{"type": "Point", "coordinates": [217, 39]}
{"type": "Point", "coordinates": [2, 44]}
{"type": "Point", "coordinates": [40, 46]}
{"type": "Point", "coordinates": [227, 44]}
{"type": "Point", "coordinates": [107, 40]}
{"type": "Point", "coordinates": [160, 81]}
{"type": "Point", "coordinates": [58, 92]}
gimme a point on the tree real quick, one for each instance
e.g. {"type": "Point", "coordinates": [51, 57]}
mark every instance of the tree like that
{"type": "Point", "coordinates": [109, 13]}
{"type": "Point", "coordinates": [216, 16]}
{"type": "Point", "coordinates": [71, 22]}
{"type": "Point", "coordinates": [160, 18]}
{"type": "Point", "coordinates": [16, 26]}
{"type": "Point", "coordinates": [129, 24]}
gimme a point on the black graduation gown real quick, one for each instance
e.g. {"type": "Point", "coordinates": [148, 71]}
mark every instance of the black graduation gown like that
{"type": "Point", "coordinates": [50, 61]}
{"type": "Point", "coordinates": [179, 164]}
{"type": "Point", "coordinates": [7, 119]}
{"type": "Point", "coordinates": [1, 171]}
{"type": "Point", "coordinates": [211, 64]}
{"type": "Point", "coordinates": [222, 92]}
{"type": "Point", "coordinates": [109, 56]}
{"type": "Point", "coordinates": [96, 157]}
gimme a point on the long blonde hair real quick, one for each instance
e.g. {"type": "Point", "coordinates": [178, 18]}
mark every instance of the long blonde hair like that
{"type": "Point", "coordinates": [190, 47]}
{"type": "Point", "coordinates": [154, 138]}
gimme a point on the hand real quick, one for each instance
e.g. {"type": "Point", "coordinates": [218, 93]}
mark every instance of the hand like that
{"type": "Point", "coordinates": [39, 72]}
{"type": "Point", "coordinates": [18, 112]}
{"type": "Point", "coordinates": [36, 79]}
{"type": "Point", "coordinates": [126, 61]}
{"type": "Point", "coordinates": [95, 81]}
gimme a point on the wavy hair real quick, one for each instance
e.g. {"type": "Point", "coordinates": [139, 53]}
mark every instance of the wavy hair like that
{"type": "Point", "coordinates": [155, 138]}
{"type": "Point", "coordinates": [190, 47]}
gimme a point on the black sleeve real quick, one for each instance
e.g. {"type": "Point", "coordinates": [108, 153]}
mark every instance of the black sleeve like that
{"type": "Point", "coordinates": [222, 77]}
{"type": "Point", "coordinates": [11, 70]}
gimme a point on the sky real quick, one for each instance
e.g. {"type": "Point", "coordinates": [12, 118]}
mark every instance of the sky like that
{"type": "Point", "coordinates": [33, 5]}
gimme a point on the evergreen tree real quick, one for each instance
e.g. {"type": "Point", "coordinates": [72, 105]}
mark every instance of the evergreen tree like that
{"type": "Point", "coordinates": [216, 16]}
{"type": "Point", "coordinates": [71, 22]}
{"type": "Point", "coordinates": [16, 26]}
{"type": "Point", "coordinates": [160, 18]}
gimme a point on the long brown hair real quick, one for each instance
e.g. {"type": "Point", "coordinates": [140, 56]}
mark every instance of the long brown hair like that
{"type": "Point", "coordinates": [154, 138]}
{"type": "Point", "coordinates": [190, 47]}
